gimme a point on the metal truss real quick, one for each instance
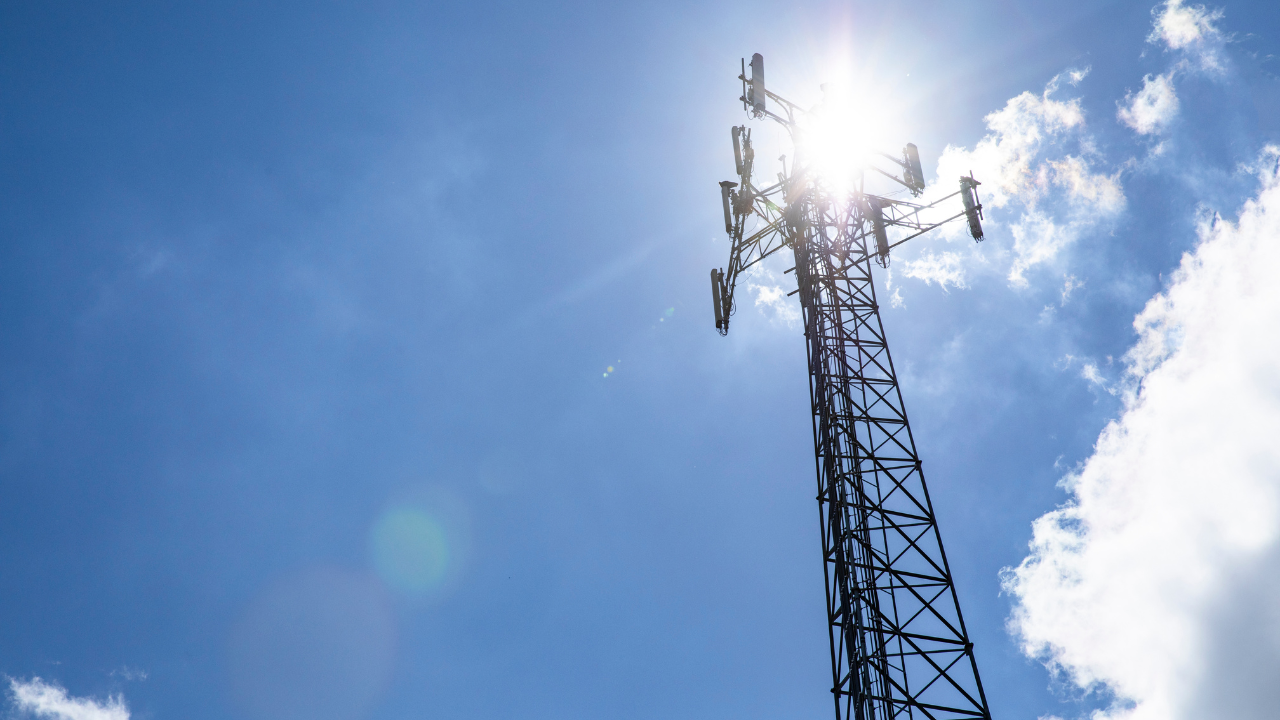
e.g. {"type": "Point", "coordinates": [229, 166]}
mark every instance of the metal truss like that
{"type": "Point", "coordinates": [899, 647]}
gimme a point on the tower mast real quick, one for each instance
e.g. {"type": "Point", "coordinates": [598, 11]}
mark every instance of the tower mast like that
{"type": "Point", "coordinates": [899, 647]}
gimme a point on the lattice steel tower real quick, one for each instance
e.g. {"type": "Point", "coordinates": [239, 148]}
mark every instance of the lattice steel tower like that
{"type": "Point", "coordinates": [899, 648]}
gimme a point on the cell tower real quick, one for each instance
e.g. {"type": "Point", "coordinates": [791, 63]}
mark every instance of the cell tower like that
{"type": "Point", "coordinates": [899, 648]}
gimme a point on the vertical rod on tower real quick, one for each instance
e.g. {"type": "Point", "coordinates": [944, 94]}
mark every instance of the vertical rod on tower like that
{"type": "Point", "coordinates": [716, 301]}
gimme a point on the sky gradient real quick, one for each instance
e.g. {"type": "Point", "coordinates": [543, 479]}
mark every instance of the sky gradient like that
{"type": "Point", "coordinates": [359, 359]}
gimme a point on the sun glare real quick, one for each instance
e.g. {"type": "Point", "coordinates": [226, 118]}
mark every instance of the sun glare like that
{"type": "Point", "coordinates": [837, 139]}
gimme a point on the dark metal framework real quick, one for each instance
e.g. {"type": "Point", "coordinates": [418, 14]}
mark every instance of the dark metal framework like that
{"type": "Point", "coordinates": [899, 647]}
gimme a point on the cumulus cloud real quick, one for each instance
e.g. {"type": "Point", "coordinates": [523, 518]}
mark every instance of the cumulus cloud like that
{"type": "Point", "coordinates": [1157, 579]}
{"type": "Point", "coordinates": [47, 700]}
{"type": "Point", "coordinates": [1045, 195]}
{"type": "Point", "coordinates": [1007, 158]}
{"type": "Point", "coordinates": [1191, 30]}
{"type": "Point", "coordinates": [1153, 107]}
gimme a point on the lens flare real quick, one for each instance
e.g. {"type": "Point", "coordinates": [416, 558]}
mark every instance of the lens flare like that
{"type": "Point", "coordinates": [410, 550]}
{"type": "Point", "coordinates": [319, 644]}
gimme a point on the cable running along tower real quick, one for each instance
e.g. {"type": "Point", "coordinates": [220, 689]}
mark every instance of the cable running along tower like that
{"type": "Point", "coordinates": [899, 648]}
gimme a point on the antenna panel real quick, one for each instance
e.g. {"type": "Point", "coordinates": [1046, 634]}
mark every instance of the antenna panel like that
{"type": "Point", "coordinates": [915, 174]}
{"type": "Point", "coordinates": [757, 92]}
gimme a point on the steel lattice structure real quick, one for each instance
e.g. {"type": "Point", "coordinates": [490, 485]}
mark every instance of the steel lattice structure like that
{"type": "Point", "coordinates": [899, 647]}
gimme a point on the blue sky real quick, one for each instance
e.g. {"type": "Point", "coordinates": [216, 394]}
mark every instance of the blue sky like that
{"type": "Point", "coordinates": [359, 359]}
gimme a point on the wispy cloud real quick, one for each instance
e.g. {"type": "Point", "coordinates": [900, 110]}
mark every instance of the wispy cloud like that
{"type": "Point", "coordinates": [945, 268]}
{"type": "Point", "coordinates": [130, 674]}
{"type": "Point", "coordinates": [1157, 579]}
{"type": "Point", "coordinates": [1089, 371]}
{"type": "Point", "coordinates": [1075, 77]}
{"type": "Point", "coordinates": [1069, 285]}
{"type": "Point", "coordinates": [771, 298]}
{"type": "Point", "coordinates": [47, 700]}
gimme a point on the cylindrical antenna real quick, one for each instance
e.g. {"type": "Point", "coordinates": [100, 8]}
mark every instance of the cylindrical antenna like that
{"type": "Point", "coordinates": [737, 148]}
{"type": "Point", "coordinates": [972, 208]}
{"type": "Point", "coordinates": [877, 227]}
{"type": "Point", "coordinates": [725, 187]}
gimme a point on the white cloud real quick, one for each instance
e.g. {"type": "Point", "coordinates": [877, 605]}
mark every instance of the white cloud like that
{"type": "Point", "coordinates": [1089, 371]}
{"type": "Point", "coordinates": [1154, 106]}
{"type": "Point", "coordinates": [1037, 237]}
{"type": "Point", "coordinates": [1006, 158]}
{"type": "Point", "coordinates": [1045, 195]}
{"type": "Point", "coordinates": [944, 268]}
{"type": "Point", "coordinates": [1158, 578]}
{"type": "Point", "coordinates": [1191, 30]}
{"type": "Point", "coordinates": [129, 673]}
{"type": "Point", "coordinates": [1070, 284]}
{"type": "Point", "coordinates": [1074, 77]}
{"type": "Point", "coordinates": [46, 700]}
{"type": "Point", "coordinates": [1086, 189]}
{"type": "Point", "coordinates": [771, 298]}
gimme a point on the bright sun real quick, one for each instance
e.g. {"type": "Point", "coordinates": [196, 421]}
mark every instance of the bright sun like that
{"type": "Point", "coordinates": [836, 140]}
